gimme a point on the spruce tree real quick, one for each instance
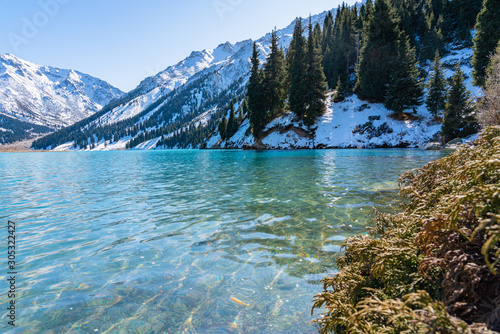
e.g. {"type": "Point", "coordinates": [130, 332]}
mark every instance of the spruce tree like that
{"type": "Point", "coordinates": [380, 39]}
{"type": "Point", "coordinates": [340, 92]}
{"type": "Point", "coordinates": [255, 95]}
{"type": "Point", "coordinates": [348, 41]}
{"type": "Point", "coordinates": [232, 123]}
{"type": "Point", "coordinates": [275, 79]}
{"type": "Point", "coordinates": [368, 11]}
{"type": "Point", "coordinates": [245, 108]}
{"type": "Point", "coordinates": [318, 36]}
{"type": "Point", "coordinates": [315, 81]}
{"type": "Point", "coordinates": [327, 45]}
{"type": "Point", "coordinates": [405, 89]}
{"type": "Point", "coordinates": [333, 62]}
{"type": "Point", "coordinates": [486, 39]}
{"type": "Point", "coordinates": [458, 120]}
{"type": "Point", "coordinates": [437, 88]}
{"type": "Point", "coordinates": [432, 36]}
{"type": "Point", "coordinates": [297, 71]}
{"type": "Point", "coordinates": [223, 128]}
{"type": "Point", "coordinates": [412, 18]}
{"type": "Point", "coordinates": [341, 53]}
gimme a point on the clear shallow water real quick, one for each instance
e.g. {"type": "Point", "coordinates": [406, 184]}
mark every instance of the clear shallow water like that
{"type": "Point", "coordinates": [185, 241]}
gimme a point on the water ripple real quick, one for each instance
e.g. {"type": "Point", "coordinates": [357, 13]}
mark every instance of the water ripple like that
{"type": "Point", "coordinates": [186, 241]}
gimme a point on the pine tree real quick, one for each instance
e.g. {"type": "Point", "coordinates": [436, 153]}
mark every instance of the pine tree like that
{"type": "Point", "coordinates": [458, 120]}
{"type": "Point", "coordinates": [405, 89]}
{"type": "Point", "coordinates": [486, 39]}
{"type": "Point", "coordinates": [223, 128]}
{"type": "Point", "coordinates": [433, 38]}
{"type": "Point", "coordinates": [327, 44]}
{"type": "Point", "coordinates": [232, 123]}
{"type": "Point", "coordinates": [318, 36]}
{"type": "Point", "coordinates": [412, 19]}
{"type": "Point", "coordinates": [244, 109]}
{"type": "Point", "coordinates": [255, 95]}
{"type": "Point", "coordinates": [333, 62]}
{"type": "Point", "coordinates": [437, 88]}
{"type": "Point", "coordinates": [275, 79]}
{"type": "Point", "coordinates": [348, 42]}
{"type": "Point", "coordinates": [297, 71]}
{"type": "Point", "coordinates": [341, 53]}
{"type": "Point", "coordinates": [459, 18]}
{"type": "Point", "coordinates": [240, 113]}
{"type": "Point", "coordinates": [315, 81]}
{"type": "Point", "coordinates": [380, 39]}
{"type": "Point", "coordinates": [340, 92]}
{"type": "Point", "coordinates": [368, 11]}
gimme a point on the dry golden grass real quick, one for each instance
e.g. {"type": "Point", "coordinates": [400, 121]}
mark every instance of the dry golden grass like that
{"type": "Point", "coordinates": [434, 268]}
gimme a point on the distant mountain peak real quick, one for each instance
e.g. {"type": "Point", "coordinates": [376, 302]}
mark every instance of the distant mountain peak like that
{"type": "Point", "coordinates": [49, 96]}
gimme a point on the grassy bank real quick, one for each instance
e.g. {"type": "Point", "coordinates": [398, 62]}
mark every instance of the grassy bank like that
{"type": "Point", "coordinates": [433, 268]}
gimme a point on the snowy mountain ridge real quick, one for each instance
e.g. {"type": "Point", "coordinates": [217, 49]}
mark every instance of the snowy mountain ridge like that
{"type": "Point", "coordinates": [49, 96]}
{"type": "Point", "coordinates": [220, 67]}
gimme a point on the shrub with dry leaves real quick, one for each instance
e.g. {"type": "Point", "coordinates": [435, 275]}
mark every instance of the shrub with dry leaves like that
{"type": "Point", "coordinates": [435, 267]}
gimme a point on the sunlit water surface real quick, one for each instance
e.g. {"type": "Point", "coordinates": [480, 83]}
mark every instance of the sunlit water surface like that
{"type": "Point", "coordinates": [185, 241]}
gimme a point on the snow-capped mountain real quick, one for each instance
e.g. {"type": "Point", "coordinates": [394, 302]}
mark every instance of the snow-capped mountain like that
{"type": "Point", "coordinates": [188, 93]}
{"type": "Point", "coordinates": [222, 66]}
{"type": "Point", "coordinates": [48, 96]}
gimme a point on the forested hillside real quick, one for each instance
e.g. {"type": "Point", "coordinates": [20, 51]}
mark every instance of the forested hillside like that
{"type": "Point", "coordinates": [385, 52]}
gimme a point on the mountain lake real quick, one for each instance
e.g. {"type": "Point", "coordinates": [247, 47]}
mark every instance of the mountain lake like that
{"type": "Point", "coordinates": [184, 241]}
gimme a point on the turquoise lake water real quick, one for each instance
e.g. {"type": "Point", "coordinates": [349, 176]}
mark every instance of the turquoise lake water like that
{"type": "Point", "coordinates": [184, 241]}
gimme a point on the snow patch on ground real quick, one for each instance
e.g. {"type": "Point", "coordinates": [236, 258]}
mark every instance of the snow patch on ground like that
{"type": "Point", "coordinates": [354, 123]}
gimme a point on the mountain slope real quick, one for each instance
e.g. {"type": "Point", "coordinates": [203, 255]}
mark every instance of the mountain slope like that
{"type": "Point", "coordinates": [352, 123]}
{"type": "Point", "coordinates": [188, 94]}
{"type": "Point", "coordinates": [48, 97]}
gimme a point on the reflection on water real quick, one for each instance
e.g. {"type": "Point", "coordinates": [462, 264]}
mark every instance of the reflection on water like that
{"type": "Point", "coordinates": [187, 241]}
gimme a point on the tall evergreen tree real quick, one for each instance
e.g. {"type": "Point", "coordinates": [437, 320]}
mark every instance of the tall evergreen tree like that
{"type": "Point", "coordinates": [223, 128]}
{"type": "Point", "coordinates": [245, 108]}
{"type": "Point", "coordinates": [433, 38]}
{"type": "Point", "coordinates": [327, 33]}
{"type": "Point", "coordinates": [458, 120]}
{"type": "Point", "coordinates": [348, 41]}
{"type": "Point", "coordinates": [486, 39]}
{"type": "Point", "coordinates": [340, 56]}
{"type": "Point", "coordinates": [368, 11]}
{"type": "Point", "coordinates": [232, 123]}
{"type": "Point", "coordinates": [405, 89]}
{"type": "Point", "coordinates": [412, 19]}
{"type": "Point", "coordinates": [437, 88]}
{"type": "Point", "coordinates": [340, 92]}
{"type": "Point", "coordinates": [297, 71]}
{"type": "Point", "coordinates": [459, 18]}
{"type": "Point", "coordinates": [380, 39]}
{"type": "Point", "coordinates": [315, 81]}
{"type": "Point", "coordinates": [256, 96]}
{"type": "Point", "coordinates": [275, 79]}
{"type": "Point", "coordinates": [318, 36]}
{"type": "Point", "coordinates": [333, 59]}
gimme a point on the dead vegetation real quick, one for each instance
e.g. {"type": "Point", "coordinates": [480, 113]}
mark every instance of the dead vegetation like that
{"type": "Point", "coordinates": [489, 106]}
{"type": "Point", "coordinates": [435, 267]}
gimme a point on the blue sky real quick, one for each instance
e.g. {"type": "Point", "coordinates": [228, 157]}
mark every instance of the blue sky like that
{"type": "Point", "coordinates": [125, 41]}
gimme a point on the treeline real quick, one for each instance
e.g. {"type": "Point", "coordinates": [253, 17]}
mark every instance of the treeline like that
{"type": "Point", "coordinates": [175, 110]}
{"type": "Point", "coordinates": [378, 51]}
{"type": "Point", "coordinates": [15, 130]}
{"type": "Point", "coordinates": [297, 81]}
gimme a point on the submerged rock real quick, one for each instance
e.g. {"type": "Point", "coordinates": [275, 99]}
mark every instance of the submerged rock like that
{"type": "Point", "coordinates": [453, 144]}
{"type": "Point", "coordinates": [432, 146]}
